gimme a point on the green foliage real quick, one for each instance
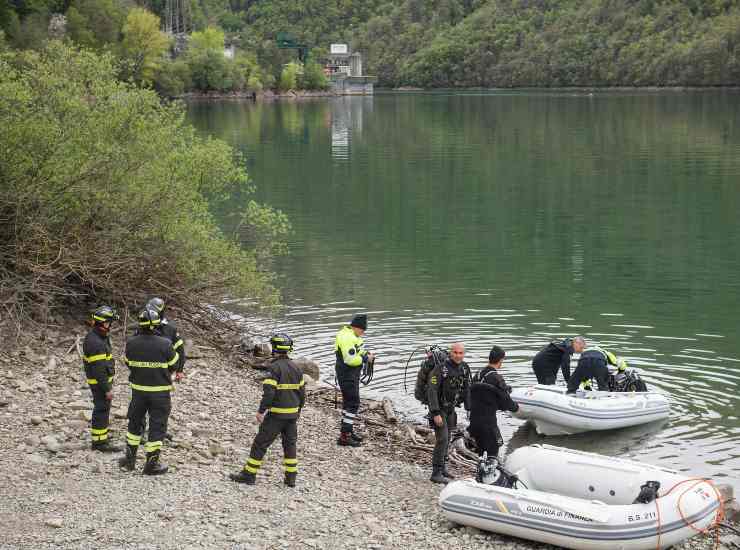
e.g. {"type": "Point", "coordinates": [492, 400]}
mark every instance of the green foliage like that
{"type": "Point", "coordinates": [173, 78]}
{"type": "Point", "coordinates": [313, 77]}
{"type": "Point", "coordinates": [209, 39]}
{"type": "Point", "coordinates": [106, 192]}
{"type": "Point", "coordinates": [502, 43]}
{"type": "Point", "coordinates": [289, 76]}
{"type": "Point", "coordinates": [95, 23]}
{"type": "Point", "coordinates": [144, 45]}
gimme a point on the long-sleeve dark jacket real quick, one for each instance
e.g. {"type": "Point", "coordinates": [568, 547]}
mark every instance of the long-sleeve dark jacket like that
{"type": "Point", "coordinates": [593, 364]}
{"type": "Point", "coordinates": [488, 394]}
{"type": "Point", "coordinates": [448, 387]}
{"type": "Point", "coordinates": [283, 391]}
{"type": "Point", "coordinates": [151, 360]}
{"type": "Point", "coordinates": [167, 329]}
{"type": "Point", "coordinates": [98, 360]}
{"type": "Point", "coordinates": [556, 355]}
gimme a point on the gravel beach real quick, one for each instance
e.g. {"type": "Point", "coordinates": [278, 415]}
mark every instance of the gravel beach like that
{"type": "Point", "coordinates": [56, 493]}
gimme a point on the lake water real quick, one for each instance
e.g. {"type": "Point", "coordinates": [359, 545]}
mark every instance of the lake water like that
{"type": "Point", "coordinates": [516, 218]}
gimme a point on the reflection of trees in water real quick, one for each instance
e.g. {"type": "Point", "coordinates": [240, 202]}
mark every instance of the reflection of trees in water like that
{"type": "Point", "coordinates": [619, 201]}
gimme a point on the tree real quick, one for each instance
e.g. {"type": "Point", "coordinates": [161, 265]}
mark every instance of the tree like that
{"type": "Point", "coordinates": [313, 77]}
{"type": "Point", "coordinates": [143, 45]}
{"type": "Point", "coordinates": [211, 38]}
{"type": "Point", "coordinates": [95, 23]}
{"type": "Point", "coordinates": [106, 192]}
{"type": "Point", "coordinates": [289, 76]}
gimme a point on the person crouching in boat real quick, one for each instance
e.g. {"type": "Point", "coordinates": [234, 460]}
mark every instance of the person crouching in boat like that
{"type": "Point", "coordinates": [593, 364]}
{"type": "Point", "coordinates": [488, 394]}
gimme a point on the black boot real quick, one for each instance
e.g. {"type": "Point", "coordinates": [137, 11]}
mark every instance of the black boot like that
{"type": "Point", "coordinates": [153, 467]}
{"type": "Point", "coordinates": [105, 447]}
{"type": "Point", "coordinates": [445, 472]}
{"type": "Point", "coordinates": [244, 477]}
{"type": "Point", "coordinates": [438, 476]}
{"type": "Point", "coordinates": [129, 461]}
{"type": "Point", "coordinates": [290, 478]}
{"type": "Point", "coordinates": [345, 440]}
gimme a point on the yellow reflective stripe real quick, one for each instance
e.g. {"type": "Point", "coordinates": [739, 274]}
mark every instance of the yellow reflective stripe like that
{"type": "Point", "coordinates": [291, 386]}
{"type": "Point", "coordinates": [282, 410]}
{"type": "Point", "coordinates": [270, 382]}
{"type": "Point", "coordinates": [152, 446]}
{"type": "Point", "coordinates": [174, 360]}
{"type": "Point", "coordinates": [146, 364]}
{"type": "Point", "coordinates": [100, 437]}
{"type": "Point", "coordinates": [291, 469]}
{"type": "Point", "coordinates": [249, 469]}
{"type": "Point", "coordinates": [149, 388]}
{"type": "Point", "coordinates": [254, 461]}
{"type": "Point", "coordinates": [132, 439]}
{"type": "Point", "coordinates": [95, 380]}
{"type": "Point", "coordinates": [98, 431]}
{"type": "Point", "coordinates": [178, 344]}
{"type": "Point", "coordinates": [98, 357]}
{"type": "Point", "coordinates": [290, 461]}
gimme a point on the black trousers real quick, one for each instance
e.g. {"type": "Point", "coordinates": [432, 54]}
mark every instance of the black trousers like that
{"type": "Point", "coordinates": [270, 428]}
{"type": "Point", "coordinates": [442, 436]}
{"type": "Point", "coordinates": [348, 379]}
{"type": "Point", "coordinates": [487, 436]}
{"type": "Point", "coordinates": [100, 414]}
{"type": "Point", "coordinates": [545, 373]}
{"type": "Point", "coordinates": [158, 406]}
{"type": "Point", "coordinates": [588, 368]}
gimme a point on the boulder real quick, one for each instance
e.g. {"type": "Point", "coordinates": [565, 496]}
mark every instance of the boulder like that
{"type": "Point", "coordinates": [247, 343]}
{"type": "Point", "coordinates": [732, 512]}
{"type": "Point", "coordinates": [726, 491]}
{"type": "Point", "coordinates": [215, 448]}
{"type": "Point", "coordinates": [54, 521]}
{"type": "Point", "coordinates": [308, 367]}
{"type": "Point", "coordinates": [51, 443]}
{"type": "Point", "coordinates": [262, 350]}
{"type": "Point", "coordinates": [79, 405]}
{"type": "Point", "coordinates": [36, 420]}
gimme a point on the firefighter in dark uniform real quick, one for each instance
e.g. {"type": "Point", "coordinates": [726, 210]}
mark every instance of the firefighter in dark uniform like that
{"type": "Point", "coordinates": [488, 394]}
{"type": "Point", "coordinates": [593, 364]}
{"type": "Point", "coordinates": [448, 388]}
{"type": "Point", "coordinates": [351, 358]}
{"type": "Point", "coordinates": [168, 330]}
{"type": "Point", "coordinates": [151, 361]}
{"type": "Point", "coordinates": [283, 397]}
{"type": "Point", "coordinates": [556, 356]}
{"type": "Point", "coordinates": [99, 370]}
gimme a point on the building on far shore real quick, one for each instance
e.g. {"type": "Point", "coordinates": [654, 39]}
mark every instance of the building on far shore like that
{"type": "Point", "coordinates": [344, 70]}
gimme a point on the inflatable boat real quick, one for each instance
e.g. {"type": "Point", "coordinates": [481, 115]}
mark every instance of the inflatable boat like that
{"type": "Point", "coordinates": [585, 501]}
{"type": "Point", "coordinates": [556, 413]}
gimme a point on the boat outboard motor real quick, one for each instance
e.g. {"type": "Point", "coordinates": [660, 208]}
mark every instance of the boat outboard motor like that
{"type": "Point", "coordinates": [648, 492]}
{"type": "Point", "coordinates": [491, 472]}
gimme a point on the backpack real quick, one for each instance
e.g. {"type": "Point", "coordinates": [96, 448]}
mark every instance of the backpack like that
{"type": "Point", "coordinates": [435, 356]}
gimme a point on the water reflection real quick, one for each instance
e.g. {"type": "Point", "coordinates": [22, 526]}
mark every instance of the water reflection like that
{"type": "Point", "coordinates": [512, 219]}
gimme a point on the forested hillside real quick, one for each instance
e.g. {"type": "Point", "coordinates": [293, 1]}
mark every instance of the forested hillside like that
{"type": "Point", "coordinates": [427, 43]}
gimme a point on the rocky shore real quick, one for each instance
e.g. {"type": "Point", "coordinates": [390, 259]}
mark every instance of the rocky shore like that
{"type": "Point", "coordinates": [56, 493]}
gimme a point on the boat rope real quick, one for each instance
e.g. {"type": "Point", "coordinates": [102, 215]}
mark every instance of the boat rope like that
{"type": "Point", "coordinates": [717, 518]}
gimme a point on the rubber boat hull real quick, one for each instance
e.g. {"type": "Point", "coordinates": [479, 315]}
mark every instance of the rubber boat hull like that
{"type": "Point", "coordinates": [609, 523]}
{"type": "Point", "coordinates": [554, 412]}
